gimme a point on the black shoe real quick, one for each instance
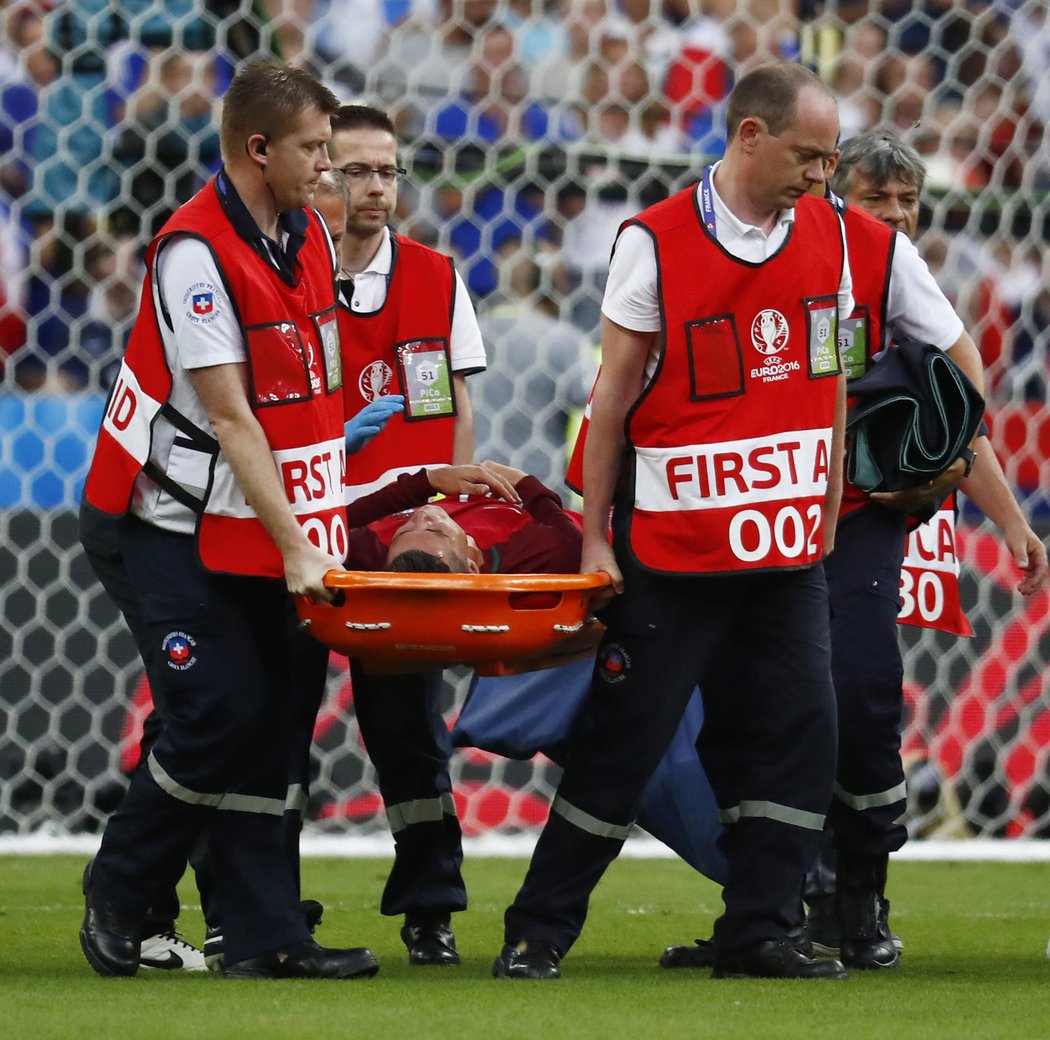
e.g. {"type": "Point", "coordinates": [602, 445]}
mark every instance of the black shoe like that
{"type": "Point", "coordinates": [527, 960]}
{"type": "Point", "coordinates": [214, 958]}
{"type": "Point", "coordinates": [700, 955]}
{"type": "Point", "coordinates": [307, 960]}
{"type": "Point", "coordinates": [430, 943]}
{"type": "Point", "coordinates": [111, 940]}
{"type": "Point", "coordinates": [863, 914]}
{"type": "Point", "coordinates": [773, 959]}
{"type": "Point", "coordinates": [822, 927]}
{"type": "Point", "coordinates": [867, 942]}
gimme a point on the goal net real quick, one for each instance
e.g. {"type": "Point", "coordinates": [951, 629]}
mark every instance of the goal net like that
{"type": "Point", "coordinates": [530, 129]}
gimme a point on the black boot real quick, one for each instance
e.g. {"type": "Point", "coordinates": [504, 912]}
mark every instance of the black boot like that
{"type": "Point", "coordinates": [822, 921]}
{"type": "Point", "coordinates": [863, 913]}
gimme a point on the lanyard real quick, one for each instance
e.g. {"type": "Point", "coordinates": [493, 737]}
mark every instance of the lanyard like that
{"type": "Point", "coordinates": [707, 203]}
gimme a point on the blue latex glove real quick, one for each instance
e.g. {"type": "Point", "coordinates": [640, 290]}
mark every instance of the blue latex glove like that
{"type": "Point", "coordinates": [370, 421]}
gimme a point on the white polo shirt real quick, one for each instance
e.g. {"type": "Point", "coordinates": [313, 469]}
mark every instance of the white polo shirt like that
{"type": "Point", "coordinates": [631, 296]}
{"type": "Point", "coordinates": [185, 268]}
{"type": "Point", "coordinates": [466, 348]}
{"type": "Point", "coordinates": [916, 308]}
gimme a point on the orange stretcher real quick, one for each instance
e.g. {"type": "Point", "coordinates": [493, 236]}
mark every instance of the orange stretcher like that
{"type": "Point", "coordinates": [500, 624]}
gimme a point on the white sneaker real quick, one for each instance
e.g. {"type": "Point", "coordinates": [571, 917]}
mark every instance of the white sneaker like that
{"type": "Point", "coordinates": [168, 951]}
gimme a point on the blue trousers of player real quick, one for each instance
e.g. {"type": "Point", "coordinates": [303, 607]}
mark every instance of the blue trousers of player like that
{"type": "Point", "coordinates": [863, 586]}
{"type": "Point", "coordinates": [410, 746]}
{"type": "Point", "coordinates": [220, 763]}
{"type": "Point", "coordinates": [768, 747]}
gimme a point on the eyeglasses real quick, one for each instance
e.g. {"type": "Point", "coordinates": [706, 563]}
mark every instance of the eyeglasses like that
{"type": "Point", "coordinates": [359, 173]}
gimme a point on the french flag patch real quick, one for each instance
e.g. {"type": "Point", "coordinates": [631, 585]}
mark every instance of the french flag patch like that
{"type": "Point", "coordinates": [203, 303]}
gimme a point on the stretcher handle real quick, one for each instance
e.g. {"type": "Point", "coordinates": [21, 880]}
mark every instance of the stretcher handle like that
{"type": "Point", "coordinates": [343, 581]}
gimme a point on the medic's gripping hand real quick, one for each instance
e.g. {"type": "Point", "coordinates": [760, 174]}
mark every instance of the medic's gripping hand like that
{"type": "Point", "coordinates": [370, 421]}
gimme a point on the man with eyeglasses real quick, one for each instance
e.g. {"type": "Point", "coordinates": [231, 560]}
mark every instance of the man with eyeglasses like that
{"type": "Point", "coordinates": [896, 298]}
{"type": "Point", "coordinates": [407, 327]}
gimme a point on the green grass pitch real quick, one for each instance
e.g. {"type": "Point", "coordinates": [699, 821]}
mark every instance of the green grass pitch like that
{"type": "Point", "coordinates": [974, 967]}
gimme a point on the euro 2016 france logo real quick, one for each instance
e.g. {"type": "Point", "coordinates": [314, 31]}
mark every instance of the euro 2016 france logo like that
{"type": "Point", "coordinates": [374, 379]}
{"type": "Point", "coordinates": [177, 648]}
{"type": "Point", "coordinates": [614, 663]}
{"type": "Point", "coordinates": [769, 332]}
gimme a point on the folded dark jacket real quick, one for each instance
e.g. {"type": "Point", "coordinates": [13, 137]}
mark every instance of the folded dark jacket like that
{"type": "Point", "coordinates": [915, 412]}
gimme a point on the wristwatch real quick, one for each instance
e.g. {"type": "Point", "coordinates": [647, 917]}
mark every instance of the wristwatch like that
{"type": "Point", "coordinates": [970, 456]}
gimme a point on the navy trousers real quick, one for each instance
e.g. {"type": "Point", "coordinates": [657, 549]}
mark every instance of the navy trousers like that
{"type": "Point", "coordinates": [100, 538]}
{"type": "Point", "coordinates": [863, 585]}
{"type": "Point", "coordinates": [410, 746]}
{"type": "Point", "coordinates": [227, 671]}
{"type": "Point", "coordinates": [768, 746]}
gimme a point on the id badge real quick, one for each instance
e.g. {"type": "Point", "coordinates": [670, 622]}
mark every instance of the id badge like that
{"type": "Point", "coordinates": [853, 343]}
{"type": "Point", "coordinates": [822, 335]}
{"type": "Point", "coordinates": [328, 332]}
{"type": "Point", "coordinates": [426, 378]}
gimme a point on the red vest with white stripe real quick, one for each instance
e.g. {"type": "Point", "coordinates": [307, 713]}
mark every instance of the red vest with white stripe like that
{"type": "Point", "coordinates": [730, 441]}
{"type": "Point", "coordinates": [870, 244]}
{"type": "Point", "coordinates": [291, 340]}
{"type": "Point", "coordinates": [418, 309]}
{"type": "Point", "coordinates": [930, 596]}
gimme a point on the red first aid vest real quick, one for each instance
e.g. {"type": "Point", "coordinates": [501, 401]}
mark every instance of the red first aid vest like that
{"type": "Point", "coordinates": [730, 441]}
{"type": "Point", "coordinates": [295, 391]}
{"type": "Point", "coordinates": [870, 245]}
{"type": "Point", "coordinates": [387, 352]}
{"type": "Point", "coordinates": [929, 581]}
{"type": "Point", "coordinates": [929, 584]}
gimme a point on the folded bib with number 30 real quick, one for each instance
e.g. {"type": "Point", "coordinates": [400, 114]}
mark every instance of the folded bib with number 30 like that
{"type": "Point", "coordinates": [915, 412]}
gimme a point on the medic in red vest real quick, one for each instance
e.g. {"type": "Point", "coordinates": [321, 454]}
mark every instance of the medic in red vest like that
{"type": "Point", "coordinates": [295, 392]}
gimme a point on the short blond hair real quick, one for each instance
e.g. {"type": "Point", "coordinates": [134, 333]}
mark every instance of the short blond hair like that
{"type": "Point", "coordinates": [267, 97]}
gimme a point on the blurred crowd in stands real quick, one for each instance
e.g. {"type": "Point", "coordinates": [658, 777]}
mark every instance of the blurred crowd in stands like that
{"type": "Point", "coordinates": [531, 128]}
